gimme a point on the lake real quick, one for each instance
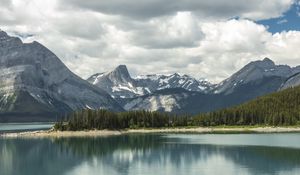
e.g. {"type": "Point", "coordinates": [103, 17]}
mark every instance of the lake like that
{"type": "Point", "coordinates": [20, 127]}
{"type": "Point", "coordinates": [158, 154]}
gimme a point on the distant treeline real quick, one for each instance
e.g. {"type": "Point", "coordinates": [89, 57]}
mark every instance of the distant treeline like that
{"type": "Point", "coordinates": [104, 119]}
{"type": "Point", "coordinates": [277, 109]}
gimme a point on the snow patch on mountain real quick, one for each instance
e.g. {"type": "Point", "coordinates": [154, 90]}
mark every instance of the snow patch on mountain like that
{"type": "Point", "coordinates": [119, 84]}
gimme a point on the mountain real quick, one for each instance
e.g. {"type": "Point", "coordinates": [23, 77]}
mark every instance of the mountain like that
{"type": "Point", "coordinates": [177, 100]}
{"type": "Point", "coordinates": [255, 79]}
{"type": "Point", "coordinates": [255, 71]}
{"type": "Point", "coordinates": [160, 82]}
{"type": "Point", "coordinates": [119, 84]}
{"type": "Point", "coordinates": [35, 85]}
{"type": "Point", "coordinates": [166, 100]}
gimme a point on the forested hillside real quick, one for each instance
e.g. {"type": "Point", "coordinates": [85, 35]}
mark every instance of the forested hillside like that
{"type": "Point", "coordinates": [281, 108]}
{"type": "Point", "coordinates": [104, 119]}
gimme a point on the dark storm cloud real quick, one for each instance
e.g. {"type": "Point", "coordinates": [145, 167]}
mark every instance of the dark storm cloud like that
{"type": "Point", "coordinates": [6, 3]}
{"type": "Point", "coordinates": [146, 9]}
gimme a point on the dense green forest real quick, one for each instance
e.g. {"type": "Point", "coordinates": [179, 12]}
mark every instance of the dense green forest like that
{"type": "Point", "coordinates": [104, 119]}
{"type": "Point", "coordinates": [277, 109]}
{"type": "Point", "coordinates": [280, 108]}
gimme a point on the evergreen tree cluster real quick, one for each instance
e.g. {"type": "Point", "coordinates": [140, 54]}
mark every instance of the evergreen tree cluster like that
{"type": "Point", "coordinates": [277, 109]}
{"type": "Point", "coordinates": [103, 119]}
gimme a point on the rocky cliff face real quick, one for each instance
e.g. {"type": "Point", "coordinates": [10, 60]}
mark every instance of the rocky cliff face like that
{"type": "Point", "coordinates": [255, 79]}
{"type": "Point", "coordinates": [291, 82]}
{"type": "Point", "coordinates": [34, 82]}
{"type": "Point", "coordinates": [119, 84]}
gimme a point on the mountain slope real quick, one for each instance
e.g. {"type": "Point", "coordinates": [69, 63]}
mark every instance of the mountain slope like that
{"type": "Point", "coordinates": [35, 83]}
{"type": "Point", "coordinates": [292, 81]}
{"type": "Point", "coordinates": [119, 84]}
{"type": "Point", "coordinates": [280, 108]}
{"type": "Point", "coordinates": [166, 100]}
{"type": "Point", "coordinates": [181, 101]}
{"type": "Point", "coordinates": [255, 79]}
{"type": "Point", "coordinates": [255, 71]}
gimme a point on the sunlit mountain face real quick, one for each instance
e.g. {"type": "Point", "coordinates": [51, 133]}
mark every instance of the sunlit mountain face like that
{"type": "Point", "coordinates": [37, 86]}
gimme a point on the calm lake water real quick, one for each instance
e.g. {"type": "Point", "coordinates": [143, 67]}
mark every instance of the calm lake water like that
{"type": "Point", "coordinates": [20, 127]}
{"type": "Point", "coordinates": [158, 154]}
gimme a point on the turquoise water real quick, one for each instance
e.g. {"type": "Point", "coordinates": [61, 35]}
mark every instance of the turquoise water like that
{"type": "Point", "coordinates": [158, 154]}
{"type": "Point", "coordinates": [19, 127]}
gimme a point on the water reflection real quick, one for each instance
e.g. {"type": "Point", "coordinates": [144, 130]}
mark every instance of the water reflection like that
{"type": "Point", "coordinates": [144, 154]}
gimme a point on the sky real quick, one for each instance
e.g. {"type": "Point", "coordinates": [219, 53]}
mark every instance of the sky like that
{"type": "Point", "coordinates": [206, 39]}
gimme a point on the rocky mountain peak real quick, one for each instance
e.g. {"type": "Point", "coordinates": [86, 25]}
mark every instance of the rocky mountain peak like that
{"type": "Point", "coordinates": [119, 84]}
{"type": "Point", "coordinates": [7, 41]}
{"type": "Point", "coordinates": [3, 34]}
{"type": "Point", "coordinates": [121, 70]}
{"type": "Point", "coordinates": [120, 75]}
{"type": "Point", "coordinates": [31, 72]}
{"type": "Point", "coordinates": [254, 71]}
{"type": "Point", "coordinates": [265, 63]}
{"type": "Point", "coordinates": [266, 59]}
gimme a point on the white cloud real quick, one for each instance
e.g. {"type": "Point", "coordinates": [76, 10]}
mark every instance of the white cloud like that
{"type": "Point", "coordinates": [282, 21]}
{"type": "Point", "coordinates": [283, 47]}
{"type": "Point", "coordinates": [194, 38]}
{"type": "Point", "coordinates": [180, 30]}
{"type": "Point", "coordinates": [230, 45]}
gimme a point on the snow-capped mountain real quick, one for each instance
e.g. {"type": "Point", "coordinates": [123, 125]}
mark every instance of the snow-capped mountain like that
{"type": "Point", "coordinates": [159, 82]}
{"type": "Point", "coordinates": [255, 79]}
{"type": "Point", "coordinates": [253, 72]}
{"type": "Point", "coordinates": [34, 83]}
{"type": "Point", "coordinates": [119, 84]}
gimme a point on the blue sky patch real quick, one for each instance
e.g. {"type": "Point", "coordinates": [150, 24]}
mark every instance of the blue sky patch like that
{"type": "Point", "coordinates": [289, 21]}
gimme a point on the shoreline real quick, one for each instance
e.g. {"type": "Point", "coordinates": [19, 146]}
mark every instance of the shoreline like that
{"type": "Point", "coordinates": [104, 133]}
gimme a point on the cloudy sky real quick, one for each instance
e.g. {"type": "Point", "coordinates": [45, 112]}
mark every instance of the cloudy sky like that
{"type": "Point", "coordinates": [204, 38]}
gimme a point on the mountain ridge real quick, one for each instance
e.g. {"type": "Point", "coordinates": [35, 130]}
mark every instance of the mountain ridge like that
{"type": "Point", "coordinates": [253, 71]}
{"type": "Point", "coordinates": [31, 72]}
{"type": "Point", "coordinates": [119, 84]}
{"type": "Point", "coordinates": [34, 81]}
{"type": "Point", "coordinates": [255, 79]}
